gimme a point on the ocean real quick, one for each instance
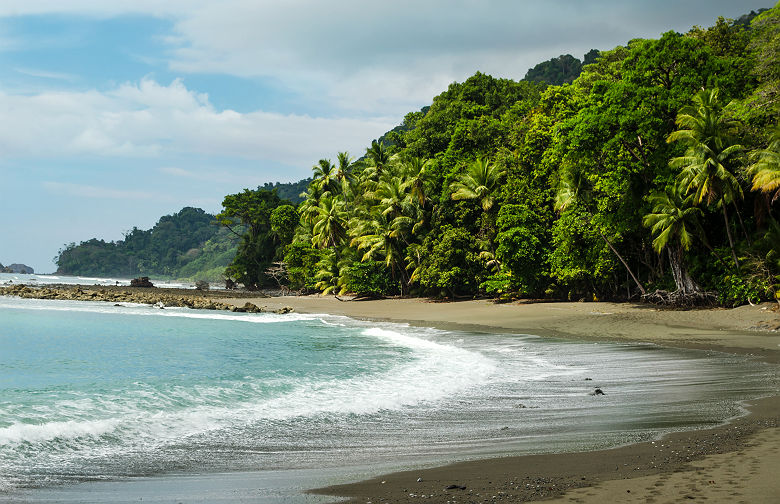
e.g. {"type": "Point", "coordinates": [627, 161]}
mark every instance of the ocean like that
{"type": "Point", "coordinates": [35, 279]}
{"type": "Point", "coordinates": [103, 402]}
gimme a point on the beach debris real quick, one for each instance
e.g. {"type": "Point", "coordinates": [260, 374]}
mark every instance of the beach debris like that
{"type": "Point", "coordinates": [455, 487]}
{"type": "Point", "coordinates": [598, 391]}
{"type": "Point", "coordinates": [419, 480]}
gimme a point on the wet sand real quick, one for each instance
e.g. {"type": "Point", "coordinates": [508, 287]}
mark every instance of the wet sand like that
{"type": "Point", "coordinates": [737, 462]}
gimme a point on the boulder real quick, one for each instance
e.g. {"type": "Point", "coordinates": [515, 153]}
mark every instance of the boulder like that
{"type": "Point", "coordinates": [251, 308]}
{"type": "Point", "coordinates": [202, 285]}
{"type": "Point", "coordinates": [141, 282]}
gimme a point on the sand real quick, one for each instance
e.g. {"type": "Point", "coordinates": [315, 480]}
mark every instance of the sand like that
{"type": "Point", "coordinates": [738, 462]}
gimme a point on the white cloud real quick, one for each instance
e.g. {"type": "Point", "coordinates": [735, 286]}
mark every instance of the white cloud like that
{"type": "Point", "coordinates": [90, 191]}
{"type": "Point", "coordinates": [386, 57]}
{"type": "Point", "coordinates": [44, 74]}
{"type": "Point", "coordinates": [151, 120]}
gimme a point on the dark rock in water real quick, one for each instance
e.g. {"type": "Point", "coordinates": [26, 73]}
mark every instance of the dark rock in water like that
{"type": "Point", "coordinates": [284, 309]}
{"type": "Point", "coordinates": [17, 268]}
{"type": "Point", "coordinates": [251, 308]}
{"type": "Point", "coordinates": [588, 379]}
{"type": "Point", "coordinates": [598, 391]}
{"type": "Point", "coordinates": [141, 282]}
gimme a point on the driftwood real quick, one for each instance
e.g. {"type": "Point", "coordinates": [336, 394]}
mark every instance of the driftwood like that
{"type": "Point", "coordinates": [362, 297]}
{"type": "Point", "coordinates": [680, 299]}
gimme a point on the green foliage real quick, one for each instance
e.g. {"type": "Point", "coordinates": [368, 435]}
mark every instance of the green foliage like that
{"type": "Point", "coordinates": [523, 249]}
{"type": "Point", "coordinates": [369, 278]}
{"type": "Point", "coordinates": [284, 219]}
{"type": "Point", "coordinates": [735, 290]}
{"type": "Point", "coordinates": [301, 260]}
{"type": "Point", "coordinates": [257, 248]}
{"type": "Point", "coordinates": [451, 264]}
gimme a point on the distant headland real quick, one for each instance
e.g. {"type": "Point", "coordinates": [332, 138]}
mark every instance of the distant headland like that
{"type": "Point", "coordinates": [17, 268]}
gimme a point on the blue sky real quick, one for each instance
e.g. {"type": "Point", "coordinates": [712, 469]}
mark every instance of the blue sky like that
{"type": "Point", "coordinates": [115, 113]}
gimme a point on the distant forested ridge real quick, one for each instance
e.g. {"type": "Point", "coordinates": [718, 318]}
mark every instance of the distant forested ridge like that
{"type": "Point", "coordinates": [561, 70]}
{"type": "Point", "coordinates": [188, 243]}
{"type": "Point", "coordinates": [289, 191]}
{"type": "Point", "coordinates": [650, 169]}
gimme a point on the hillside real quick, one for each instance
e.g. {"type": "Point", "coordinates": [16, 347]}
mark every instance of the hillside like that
{"type": "Point", "coordinates": [649, 172]}
{"type": "Point", "coordinates": [186, 244]}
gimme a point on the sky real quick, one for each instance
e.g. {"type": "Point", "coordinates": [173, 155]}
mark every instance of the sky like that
{"type": "Point", "coordinates": [114, 113]}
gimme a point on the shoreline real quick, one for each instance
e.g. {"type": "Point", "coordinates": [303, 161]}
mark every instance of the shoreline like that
{"type": "Point", "coordinates": [736, 461]}
{"type": "Point", "coordinates": [732, 462]}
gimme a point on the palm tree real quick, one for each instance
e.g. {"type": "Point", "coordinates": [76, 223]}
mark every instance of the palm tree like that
{"type": "Point", "coordinates": [392, 197]}
{"type": "Point", "coordinates": [327, 275]}
{"type": "Point", "coordinates": [705, 172]}
{"type": "Point", "coordinates": [378, 160]}
{"type": "Point", "coordinates": [766, 168]}
{"type": "Point", "coordinates": [479, 182]}
{"type": "Point", "coordinates": [574, 189]}
{"type": "Point", "coordinates": [326, 176]}
{"type": "Point", "coordinates": [344, 171]}
{"type": "Point", "coordinates": [382, 238]}
{"type": "Point", "coordinates": [416, 178]}
{"type": "Point", "coordinates": [672, 222]}
{"type": "Point", "coordinates": [311, 200]}
{"type": "Point", "coordinates": [330, 223]}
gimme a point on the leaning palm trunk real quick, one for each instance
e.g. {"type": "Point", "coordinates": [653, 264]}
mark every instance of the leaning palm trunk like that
{"type": "Point", "coordinates": [614, 250]}
{"type": "Point", "coordinates": [728, 232]}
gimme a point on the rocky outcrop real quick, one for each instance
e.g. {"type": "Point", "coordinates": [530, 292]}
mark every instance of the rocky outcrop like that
{"type": "Point", "coordinates": [17, 268]}
{"type": "Point", "coordinates": [141, 282]}
{"type": "Point", "coordinates": [156, 297]}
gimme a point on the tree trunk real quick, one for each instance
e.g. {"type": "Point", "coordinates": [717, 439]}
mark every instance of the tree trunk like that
{"type": "Point", "coordinates": [728, 232]}
{"type": "Point", "coordinates": [636, 280]}
{"type": "Point", "coordinates": [682, 279]}
{"type": "Point", "coordinates": [742, 224]}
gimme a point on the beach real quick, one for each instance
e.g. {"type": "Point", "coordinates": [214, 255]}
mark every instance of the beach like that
{"type": "Point", "coordinates": [737, 462]}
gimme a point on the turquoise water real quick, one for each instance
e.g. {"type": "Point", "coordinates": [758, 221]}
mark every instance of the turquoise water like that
{"type": "Point", "coordinates": [98, 392]}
